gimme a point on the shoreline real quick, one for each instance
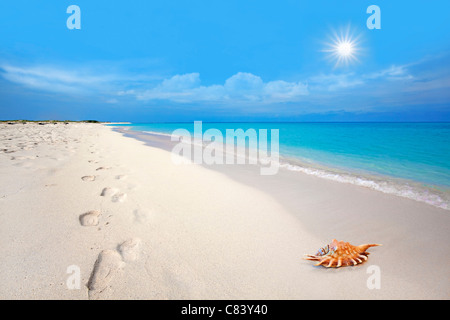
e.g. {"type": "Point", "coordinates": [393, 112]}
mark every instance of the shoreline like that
{"type": "Point", "coordinates": [401, 187]}
{"type": "Point", "coordinates": [347, 211]}
{"type": "Point", "coordinates": [188, 232]}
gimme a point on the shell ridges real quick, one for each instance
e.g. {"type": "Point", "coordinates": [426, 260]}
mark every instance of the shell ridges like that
{"type": "Point", "coordinates": [340, 254]}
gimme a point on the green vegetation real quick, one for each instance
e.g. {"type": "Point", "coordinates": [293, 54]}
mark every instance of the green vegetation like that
{"type": "Point", "coordinates": [47, 121]}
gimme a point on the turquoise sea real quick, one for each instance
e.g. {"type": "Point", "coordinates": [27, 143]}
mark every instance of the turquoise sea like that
{"type": "Point", "coordinates": [406, 159]}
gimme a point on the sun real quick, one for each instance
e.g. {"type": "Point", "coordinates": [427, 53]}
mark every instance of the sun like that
{"type": "Point", "coordinates": [343, 48]}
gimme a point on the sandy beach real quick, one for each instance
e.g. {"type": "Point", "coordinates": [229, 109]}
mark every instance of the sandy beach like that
{"type": "Point", "coordinates": [85, 197]}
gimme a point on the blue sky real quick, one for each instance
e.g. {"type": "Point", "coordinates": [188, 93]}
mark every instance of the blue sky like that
{"type": "Point", "coordinates": [244, 60]}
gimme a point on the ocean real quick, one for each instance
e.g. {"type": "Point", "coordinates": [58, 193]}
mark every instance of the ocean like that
{"type": "Point", "coordinates": [410, 160]}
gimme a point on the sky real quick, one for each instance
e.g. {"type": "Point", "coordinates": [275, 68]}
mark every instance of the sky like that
{"type": "Point", "coordinates": [246, 60]}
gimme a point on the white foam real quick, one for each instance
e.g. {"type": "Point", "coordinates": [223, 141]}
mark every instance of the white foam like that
{"type": "Point", "coordinates": [161, 134]}
{"type": "Point", "coordinates": [406, 189]}
{"type": "Point", "coordinates": [402, 189]}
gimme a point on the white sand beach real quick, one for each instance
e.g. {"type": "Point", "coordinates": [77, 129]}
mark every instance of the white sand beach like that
{"type": "Point", "coordinates": [140, 227]}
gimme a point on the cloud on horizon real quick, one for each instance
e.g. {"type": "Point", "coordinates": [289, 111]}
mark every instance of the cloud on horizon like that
{"type": "Point", "coordinates": [413, 83]}
{"type": "Point", "coordinates": [241, 87]}
{"type": "Point", "coordinates": [53, 79]}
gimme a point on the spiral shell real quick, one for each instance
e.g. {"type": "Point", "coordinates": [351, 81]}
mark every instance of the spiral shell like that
{"type": "Point", "coordinates": [340, 254]}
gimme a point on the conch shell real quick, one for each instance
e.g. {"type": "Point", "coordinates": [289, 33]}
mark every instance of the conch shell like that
{"type": "Point", "coordinates": [340, 254]}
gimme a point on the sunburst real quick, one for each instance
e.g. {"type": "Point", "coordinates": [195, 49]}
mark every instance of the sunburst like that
{"type": "Point", "coordinates": [343, 48]}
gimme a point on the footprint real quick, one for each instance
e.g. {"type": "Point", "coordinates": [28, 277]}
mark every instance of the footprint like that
{"type": "Point", "coordinates": [119, 197]}
{"type": "Point", "coordinates": [90, 218]}
{"type": "Point", "coordinates": [23, 158]}
{"type": "Point", "coordinates": [108, 264]}
{"type": "Point", "coordinates": [109, 192]}
{"type": "Point", "coordinates": [103, 168]}
{"type": "Point", "coordinates": [51, 185]}
{"type": "Point", "coordinates": [88, 178]}
{"type": "Point", "coordinates": [129, 249]}
{"type": "Point", "coordinates": [140, 215]}
{"type": "Point", "coordinates": [23, 164]}
{"type": "Point", "coordinates": [132, 186]}
{"type": "Point", "coordinates": [121, 177]}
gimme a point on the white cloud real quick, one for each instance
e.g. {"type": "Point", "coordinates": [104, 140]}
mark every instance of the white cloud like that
{"type": "Point", "coordinates": [342, 81]}
{"type": "Point", "coordinates": [335, 82]}
{"type": "Point", "coordinates": [112, 101]}
{"type": "Point", "coordinates": [285, 91]}
{"type": "Point", "coordinates": [175, 88]}
{"type": "Point", "coordinates": [391, 73]}
{"type": "Point", "coordinates": [244, 83]}
{"type": "Point", "coordinates": [241, 87]}
{"type": "Point", "coordinates": [53, 79]}
{"type": "Point", "coordinates": [180, 83]}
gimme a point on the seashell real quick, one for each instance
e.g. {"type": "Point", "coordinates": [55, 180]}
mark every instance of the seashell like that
{"type": "Point", "coordinates": [340, 254]}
